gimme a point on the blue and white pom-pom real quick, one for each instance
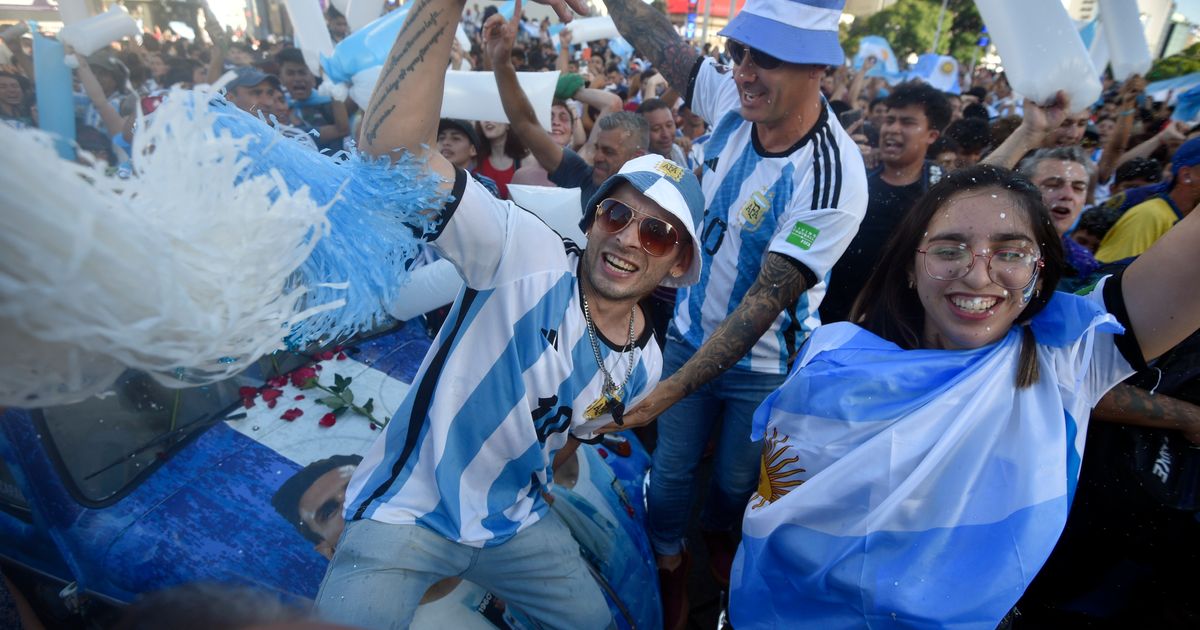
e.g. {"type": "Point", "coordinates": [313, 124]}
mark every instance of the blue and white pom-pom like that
{"type": "Point", "coordinates": [227, 239]}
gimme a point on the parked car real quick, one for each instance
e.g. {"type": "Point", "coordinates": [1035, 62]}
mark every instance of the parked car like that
{"type": "Point", "coordinates": [144, 487]}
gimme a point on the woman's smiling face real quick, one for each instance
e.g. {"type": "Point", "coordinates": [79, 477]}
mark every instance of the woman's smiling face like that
{"type": "Point", "coordinates": [975, 310]}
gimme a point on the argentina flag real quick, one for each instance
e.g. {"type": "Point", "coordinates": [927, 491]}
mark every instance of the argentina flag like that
{"type": "Point", "coordinates": [918, 488]}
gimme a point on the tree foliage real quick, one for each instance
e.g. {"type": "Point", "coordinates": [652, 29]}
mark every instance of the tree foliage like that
{"type": "Point", "coordinates": [1184, 62]}
{"type": "Point", "coordinates": [910, 27]}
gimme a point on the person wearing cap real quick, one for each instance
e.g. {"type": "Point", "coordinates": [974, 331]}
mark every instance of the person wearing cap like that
{"type": "Point", "coordinates": [545, 344]}
{"type": "Point", "coordinates": [1142, 225]}
{"type": "Point", "coordinates": [785, 190]}
{"type": "Point", "coordinates": [253, 90]}
{"type": "Point", "coordinates": [112, 76]}
{"type": "Point", "coordinates": [461, 145]}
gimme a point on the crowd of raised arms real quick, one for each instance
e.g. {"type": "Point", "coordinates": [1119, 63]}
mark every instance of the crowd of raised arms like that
{"type": "Point", "coordinates": [866, 328]}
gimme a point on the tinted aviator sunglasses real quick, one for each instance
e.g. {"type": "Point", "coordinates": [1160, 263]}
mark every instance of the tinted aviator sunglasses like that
{"type": "Point", "coordinates": [737, 50]}
{"type": "Point", "coordinates": [657, 237]}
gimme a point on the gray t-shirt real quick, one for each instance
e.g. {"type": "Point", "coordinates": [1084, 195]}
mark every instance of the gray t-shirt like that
{"type": "Point", "coordinates": [573, 172]}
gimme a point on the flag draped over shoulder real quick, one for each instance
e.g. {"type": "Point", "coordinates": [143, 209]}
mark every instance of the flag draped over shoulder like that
{"type": "Point", "coordinates": [917, 487]}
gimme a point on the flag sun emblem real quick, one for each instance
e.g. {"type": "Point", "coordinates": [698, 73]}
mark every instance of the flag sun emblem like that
{"type": "Point", "coordinates": [774, 478]}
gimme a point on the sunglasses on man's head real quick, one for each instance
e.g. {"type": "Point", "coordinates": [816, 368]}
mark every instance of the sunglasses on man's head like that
{"type": "Point", "coordinates": [657, 237]}
{"type": "Point", "coordinates": [738, 51]}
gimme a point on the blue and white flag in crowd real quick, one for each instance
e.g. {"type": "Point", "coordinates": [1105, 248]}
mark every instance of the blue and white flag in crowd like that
{"type": "Point", "coordinates": [886, 66]}
{"type": "Point", "coordinates": [939, 71]}
{"type": "Point", "coordinates": [1187, 105]}
{"type": "Point", "coordinates": [879, 48]}
{"type": "Point", "coordinates": [917, 488]}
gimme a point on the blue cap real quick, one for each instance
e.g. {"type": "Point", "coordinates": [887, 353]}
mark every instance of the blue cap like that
{"type": "Point", "coordinates": [249, 76]}
{"type": "Point", "coordinates": [1188, 154]}
{"type": "Point", "coordinates": [672, 187]}
{"type": "Point", "coordinates": [796, 31]}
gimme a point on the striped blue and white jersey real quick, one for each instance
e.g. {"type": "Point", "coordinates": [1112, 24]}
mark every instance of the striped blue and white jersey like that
{"type": "Point", "coordinates": [804, 203]}
{"type": "Point", "coordinates": [469, 452]}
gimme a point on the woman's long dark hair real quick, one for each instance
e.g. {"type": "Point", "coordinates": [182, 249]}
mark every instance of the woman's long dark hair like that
{"type": "Point", "coordinates": [889, 307]}
{"type": "Point", "coordinates": [513, 147]}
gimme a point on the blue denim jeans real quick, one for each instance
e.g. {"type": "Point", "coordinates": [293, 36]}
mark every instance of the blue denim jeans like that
{"type": "Point", "coordinates": [380, 572]}
{"type": "Point", "coordinates": [683, 431]}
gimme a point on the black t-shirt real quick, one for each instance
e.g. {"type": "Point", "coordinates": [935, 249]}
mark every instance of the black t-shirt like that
{"type": "Point", "coordinates": [886, 205]}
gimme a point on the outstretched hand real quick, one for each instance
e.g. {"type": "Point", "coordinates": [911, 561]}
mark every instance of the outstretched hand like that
{"type": "Point", "coordinates": [498, 37]}
{"type": "Point", "coordinates": [562, 8]}
{"type": "Point", "coordinates": [1043, 119]}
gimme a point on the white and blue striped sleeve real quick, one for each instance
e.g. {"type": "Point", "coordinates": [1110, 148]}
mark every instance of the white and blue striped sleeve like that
{"type": "Point", "coordinates": [491, 241]}
{"type": "Point", "coordinates": [713, 91]}
{"type": "Point", "coordinates": [816, 231]}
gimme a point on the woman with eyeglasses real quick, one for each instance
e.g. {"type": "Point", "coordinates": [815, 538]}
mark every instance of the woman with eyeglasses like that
{"type": "Point", "coordinates": [919, 464]}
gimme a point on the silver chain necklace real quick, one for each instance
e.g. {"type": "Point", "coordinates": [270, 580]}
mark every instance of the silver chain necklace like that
{"type": "Point", "coordinates": [611, 389]}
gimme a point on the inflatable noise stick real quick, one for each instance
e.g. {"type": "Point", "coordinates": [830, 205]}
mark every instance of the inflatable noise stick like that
{"type": "Point", "coordinates": [88, 36]}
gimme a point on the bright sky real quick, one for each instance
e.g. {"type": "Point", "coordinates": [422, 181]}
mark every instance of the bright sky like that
{"type": "Point", "coordinates": [1190, 9]}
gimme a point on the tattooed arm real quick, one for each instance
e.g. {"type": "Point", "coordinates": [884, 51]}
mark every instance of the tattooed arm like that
{"type": "Point", "coordinates": [407, 102]}
{"type": "Point", "coordinates": [406, 105]}
{"type": "Point", "coordinates": [779, 284]}
{"type": "Point", "coordinates": [1134, 406]}
{"type": "Point", "coordinates": [651, 33]}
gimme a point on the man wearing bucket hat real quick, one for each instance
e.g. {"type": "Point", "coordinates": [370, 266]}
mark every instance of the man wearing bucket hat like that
{"type": "Point", "coordinates": [785, 190]}
{"type": "Point", "coordinates": [546, 342]}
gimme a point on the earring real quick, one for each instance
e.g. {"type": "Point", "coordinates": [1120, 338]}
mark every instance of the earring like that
{"type": "Point", "coordinates": [911, 284]}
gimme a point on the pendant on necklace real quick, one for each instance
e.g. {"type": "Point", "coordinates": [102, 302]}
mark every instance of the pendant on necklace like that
{"type": "Point", "coordinates": [608, 402]}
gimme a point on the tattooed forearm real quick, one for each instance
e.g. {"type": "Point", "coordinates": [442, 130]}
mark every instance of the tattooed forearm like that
{"type": "Point", "coordinates": [779, 285]}
{"type": "Point", "coordinates": [396, 76]}
{"type": "Point", "coordinates": [651, 33]}
{"type": "Point", "coordinates": [1126, 404]}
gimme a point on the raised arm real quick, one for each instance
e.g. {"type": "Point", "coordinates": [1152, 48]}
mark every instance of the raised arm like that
{"type": "Point", "coordinates": [860, 78]}
{"type": "Point", "coordinates": [114, 123]}
{"type": "Point", "coordinates": [1173, 133]}
{"type": "Point", "coordinates": [498, 37]}
{"type": "Point", "coordinates": [406, 105]}
{"type": "Point", "coordinates": [779, 284]}
{"type": "Point", "coordinates": [1038, 123]}
{"type": "Point", "coordinates": [1160, 288]}
{"type": "Point", "coordinates": [651, 33]}
{"type": "Point", "coordinates": [1115, 147]}
{"type": "Point", "coordinates": [564, 50]}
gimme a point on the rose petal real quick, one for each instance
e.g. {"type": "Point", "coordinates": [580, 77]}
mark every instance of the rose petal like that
{"type": "Point", "coordinates": [328, 420]}
{"type": "Point", "coordinates": [299, 397]}
{"type": "Point", "coordinates": [247, 402]}
{"type": "Point", "coordinates": [292, 414]}
{"type": "Point", "coordinates": [341, 356]}
{"type": "Point", "coordinates": [247, 392]}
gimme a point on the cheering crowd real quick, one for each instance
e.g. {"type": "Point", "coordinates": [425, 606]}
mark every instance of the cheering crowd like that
{"type": "Point", "coordinates": [881, 314]}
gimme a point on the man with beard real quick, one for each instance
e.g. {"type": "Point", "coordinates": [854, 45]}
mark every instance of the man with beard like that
{"type": "Point", "coordinates": [546, 342]}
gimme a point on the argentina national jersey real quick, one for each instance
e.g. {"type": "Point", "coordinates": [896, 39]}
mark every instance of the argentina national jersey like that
{"type": "Point", "coordinates": [469, 452]}
{"type": "Point", "coordinates": [805, 203]}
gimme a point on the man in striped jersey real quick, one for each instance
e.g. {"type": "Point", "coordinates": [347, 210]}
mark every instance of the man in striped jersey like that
{"type": "Point", "coordinates": [784, 190]}
{"type": "Point", "coordinates": [545, 342]}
